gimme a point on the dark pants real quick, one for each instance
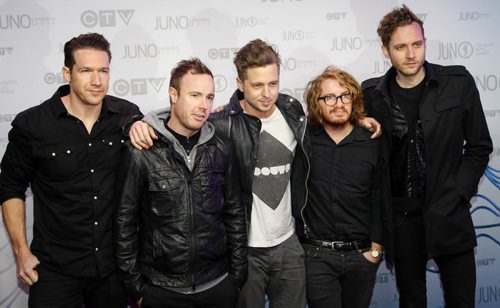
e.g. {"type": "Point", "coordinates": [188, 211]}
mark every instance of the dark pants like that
{"type": "Point", "coordinates": [54, 289]}
{"type": "Point", "coordinates": [222, 295]}
{"type": "Point", "coordinates": [338, 279]}
{"type": "Point", "coordinates": [277, 271]}
{"type": "Point", "coordinates": [457, 271]}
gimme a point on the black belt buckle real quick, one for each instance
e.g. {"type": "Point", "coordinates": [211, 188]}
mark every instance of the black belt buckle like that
{"type": "Point", "coordinates": [340, 245]}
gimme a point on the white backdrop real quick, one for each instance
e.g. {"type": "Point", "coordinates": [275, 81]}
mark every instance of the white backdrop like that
{"type": "Point", "coordinates": [148, 37]}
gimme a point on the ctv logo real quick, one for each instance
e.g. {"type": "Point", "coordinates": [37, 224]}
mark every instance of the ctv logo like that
{"type": "Point", "coordinates": [138, 86]}
{"type": "Point", "coordinates": [106, 18]}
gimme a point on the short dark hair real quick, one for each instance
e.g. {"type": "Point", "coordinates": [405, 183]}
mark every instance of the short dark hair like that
{"type": "Point", "coordinates": [193, 66]}
{"type": "Point", "coordinates": [313, 92]}
{"type": "Point", "coordinates": [256, 53]}
{"type": "Point", "coordinates": [398, 17]}
{"type": "Point", "coordinates": [84, 41]}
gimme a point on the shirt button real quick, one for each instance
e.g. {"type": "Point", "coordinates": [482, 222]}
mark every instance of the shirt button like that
{"type": "Point", "coordinates": [90, 144]}
{"type": "Point", "coordinates": [68, 151]}
{"type": "Point", "coordinates": [95, 197]}
{"type": "Point", "coordinates": [96, 223]}
{"type": "Point", "coordinates": [92, 170]}
{"type": "Point", "coordinates": [122, 141]}
{"type": "Point", "coordinates": [97, 249]}
{"type": "Point", "coordinates": [53, 154]}
{"type": "Point", "coordinates": [110, 143]}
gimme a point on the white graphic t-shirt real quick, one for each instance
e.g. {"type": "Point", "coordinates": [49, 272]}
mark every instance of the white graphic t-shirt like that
{"type": "Point", "coordinates": [271, 222]}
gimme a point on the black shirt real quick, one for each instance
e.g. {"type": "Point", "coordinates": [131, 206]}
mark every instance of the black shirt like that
{"type": "Point", "coordinates": [72, 176]}
{"type": "Point", "coordinates": [187, 143]}
{"type": "Point", "coordinates": [344, 187]}
{"type": "Point", "coordinates": [408, 147]}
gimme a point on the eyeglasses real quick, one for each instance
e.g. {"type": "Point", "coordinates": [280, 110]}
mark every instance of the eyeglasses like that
{"type": "Point", "coordinates": [331, 100]}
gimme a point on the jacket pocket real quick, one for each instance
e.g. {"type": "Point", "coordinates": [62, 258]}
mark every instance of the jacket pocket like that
{"type": "Point", "coordinates": [165, 195]}
{"type": "Point", "coordinates": [212, 192]}
{"type": "Point", "coordinates": [447, 103]}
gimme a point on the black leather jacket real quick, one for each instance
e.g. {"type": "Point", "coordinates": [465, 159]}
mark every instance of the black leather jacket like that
{"type": "Point", "coordinates": [179, 219]}
{"type": "Point", "coordinates": [244, 131]}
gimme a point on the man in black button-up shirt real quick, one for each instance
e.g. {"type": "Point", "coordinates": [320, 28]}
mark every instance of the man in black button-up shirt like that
{"type": "Point", "coordinates": [67, 149]}
{"type": "Point", "coordinates": [340, 222]}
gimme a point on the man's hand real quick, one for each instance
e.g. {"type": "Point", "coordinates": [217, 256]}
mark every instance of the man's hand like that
{"type": "Point", "coordinates": [218, 109]}
{"type": "Point", "coordinates": [368, 256]}
{"type": "Point", "coordinates": [14, 217]}
{"type": "Point", "coordinates": [26, 265]}
{"type": "Point", "coordinates": [142, 135]}
{"type": "Point", "coordinates": [372, 125]}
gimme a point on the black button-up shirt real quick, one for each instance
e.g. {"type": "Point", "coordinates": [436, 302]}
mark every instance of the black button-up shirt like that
{"type": "Point", "coordinates": [344, 201]}
{"type": "Point", "coordinates": [72, 175]}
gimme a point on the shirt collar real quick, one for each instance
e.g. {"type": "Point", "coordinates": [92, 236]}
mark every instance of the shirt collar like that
{"type": "Point", "coordinates": [356, 134]}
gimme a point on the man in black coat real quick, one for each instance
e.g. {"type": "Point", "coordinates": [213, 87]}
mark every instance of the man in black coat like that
{"type": "Point", "coordinates": [437, 143]}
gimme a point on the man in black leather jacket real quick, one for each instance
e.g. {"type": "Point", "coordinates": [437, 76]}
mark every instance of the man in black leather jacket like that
{"type": "Point", "coordinates": [437, 143]}
{"type": "Point", "coordinates": [180, 229]}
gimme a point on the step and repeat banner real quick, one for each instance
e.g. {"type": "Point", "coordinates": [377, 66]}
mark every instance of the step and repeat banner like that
{"type": "Point", "coordinates": [148, 37]}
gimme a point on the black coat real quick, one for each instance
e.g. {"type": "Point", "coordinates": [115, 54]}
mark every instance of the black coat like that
{"type": "Point", "coordinates": [457, 147]}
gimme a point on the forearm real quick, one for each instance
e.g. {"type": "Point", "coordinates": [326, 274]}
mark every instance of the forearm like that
{"type": "Point", "coordinates": [13, 212]}
{"type": "Point", "coordinates": [14, 217]}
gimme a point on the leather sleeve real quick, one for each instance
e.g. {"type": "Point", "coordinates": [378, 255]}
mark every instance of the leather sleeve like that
{"type": "Point", "coordinates": [126, 231]}
{"type": "Point", "coordinates": [234, 216]}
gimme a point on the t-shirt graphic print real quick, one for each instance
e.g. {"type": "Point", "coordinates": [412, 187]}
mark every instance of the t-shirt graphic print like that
{"type": "Point", "coordinates": [271, 220]}
{"type": "Point", "coordinates": [272, 171]}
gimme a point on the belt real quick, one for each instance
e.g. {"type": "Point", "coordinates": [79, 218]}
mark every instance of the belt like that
{"type": "Point", "coordinates": [340, 245]}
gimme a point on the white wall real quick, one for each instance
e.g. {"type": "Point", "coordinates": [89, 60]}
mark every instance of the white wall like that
{"type": "Point", "coordinates": [148, 37]}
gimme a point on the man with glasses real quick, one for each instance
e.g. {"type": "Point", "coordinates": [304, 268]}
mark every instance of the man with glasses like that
{"type": "Point", "coordinates": [340, 222]}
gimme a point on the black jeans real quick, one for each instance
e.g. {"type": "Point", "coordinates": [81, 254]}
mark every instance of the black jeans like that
{"type": "Point", "coordinates": [338, 279]}
{"type": "Point", "coordinates": [222, 295]}
{"type": "Point", "coordinates": [457, 271]}
{"type": "Point", "coordinates": [54, 289]}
